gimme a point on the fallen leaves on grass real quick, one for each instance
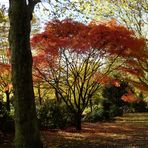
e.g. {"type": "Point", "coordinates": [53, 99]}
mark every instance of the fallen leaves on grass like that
{"type": "Point", "coordinates": [98, 134]}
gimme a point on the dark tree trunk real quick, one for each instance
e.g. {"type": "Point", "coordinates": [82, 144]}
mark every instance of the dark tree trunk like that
{"type": "Point", "coordinates": [39, 94]}
{"type": "Point", "coordinates": [7, 101]}
{"type": "Point", "coordinates": [26, 126]}
{"type": "Point", "coordinates": [78, 121]}
{"type": "Point", "coordinates": [57, 96]}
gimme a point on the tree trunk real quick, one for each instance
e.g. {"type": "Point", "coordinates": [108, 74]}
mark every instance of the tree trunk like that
{"type": "Point", "coordinates": [57, 96]}
{"type": "Point", "coordinates": [39, 94]}
{"type": "Point", "coordinates": [78, 121]}
{"type": "Point", "coordinates": [7, 101]}
{"type": "Point", "coordinates": [26, 126]}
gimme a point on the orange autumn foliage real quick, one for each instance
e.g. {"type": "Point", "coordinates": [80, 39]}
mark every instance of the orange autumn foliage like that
{"type": "Point", "coordinates": [106, 80]}
{"type": "Point", "coordinates": [129, 97]}
{"type": "Point", "coordinates": [5, 77]}
{"type": "Point", "coordinates": [8, 87]}
{"type": "Point", "coordinates": [108, 37]}
{"type": "Point", "coordinates": [115, 82]}
{"type": "Point", "coordinates": [8, 53]}
{"type": "Point", "coordinates": [137, 69]}
{"type": "Point", "coordinates": [4, 67]}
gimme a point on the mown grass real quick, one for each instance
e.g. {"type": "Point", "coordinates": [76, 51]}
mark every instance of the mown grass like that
{"type": "Point", "coordinates": [134, 118]}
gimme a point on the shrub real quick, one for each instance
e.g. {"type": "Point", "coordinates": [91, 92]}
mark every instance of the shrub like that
{"type": "Point", "coordinates": [113, 104]}
{"type": "Point", "coordinates": [53, 115]}
{"type": "Point", "coordinates": [6, 119]}
{"type": "Point", "coordinates": [95, 115]}
{"type": "Point", "coordinates": [115, 111]}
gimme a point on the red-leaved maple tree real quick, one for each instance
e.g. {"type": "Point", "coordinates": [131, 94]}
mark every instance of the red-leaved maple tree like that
{"type": "Point", "coordinates": [70, 56]}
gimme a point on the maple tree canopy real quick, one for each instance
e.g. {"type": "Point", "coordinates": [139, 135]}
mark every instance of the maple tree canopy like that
{"type": "Point", "coordinates": [108, 37]}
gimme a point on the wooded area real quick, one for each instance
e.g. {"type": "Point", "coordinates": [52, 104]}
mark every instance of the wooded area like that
{"type": "Point", "coordinates": [88, 64]}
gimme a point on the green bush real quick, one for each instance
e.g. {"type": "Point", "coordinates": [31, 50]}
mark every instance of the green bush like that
{"type": "Point", "coordinates": [113, 104]}
{"type": "Point", "coordinates": [53, 115]}
{"type": "Point", "coordinates": [115, 111]}
{"type": "Point", "coordinates": [97, 114]}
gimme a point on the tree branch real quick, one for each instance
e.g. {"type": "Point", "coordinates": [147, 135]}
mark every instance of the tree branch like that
{"type": "Point", "coordinates": [31, 5]}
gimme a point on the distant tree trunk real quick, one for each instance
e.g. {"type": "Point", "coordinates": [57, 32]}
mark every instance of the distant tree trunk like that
{"type": "Point", "coordinates": [7, 101]}
{"type": "Point", "coordinates": [26, 126]}
{"type": "Point", "coordinates": [78, 121]}
{"type": "Point", "coordinates": [57, 96]}
{"type": "Point", "coordinates": [39, 94]}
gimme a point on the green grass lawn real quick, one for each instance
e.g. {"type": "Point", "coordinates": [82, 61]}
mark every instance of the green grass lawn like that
{"type": "Point", "coordinates": [134, 118]}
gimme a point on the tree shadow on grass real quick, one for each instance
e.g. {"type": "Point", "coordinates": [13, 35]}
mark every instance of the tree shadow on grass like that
{"type": "Point", "coordinates": [92, 135]}
{"type": "Point", "coordinates": [95, 135]}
